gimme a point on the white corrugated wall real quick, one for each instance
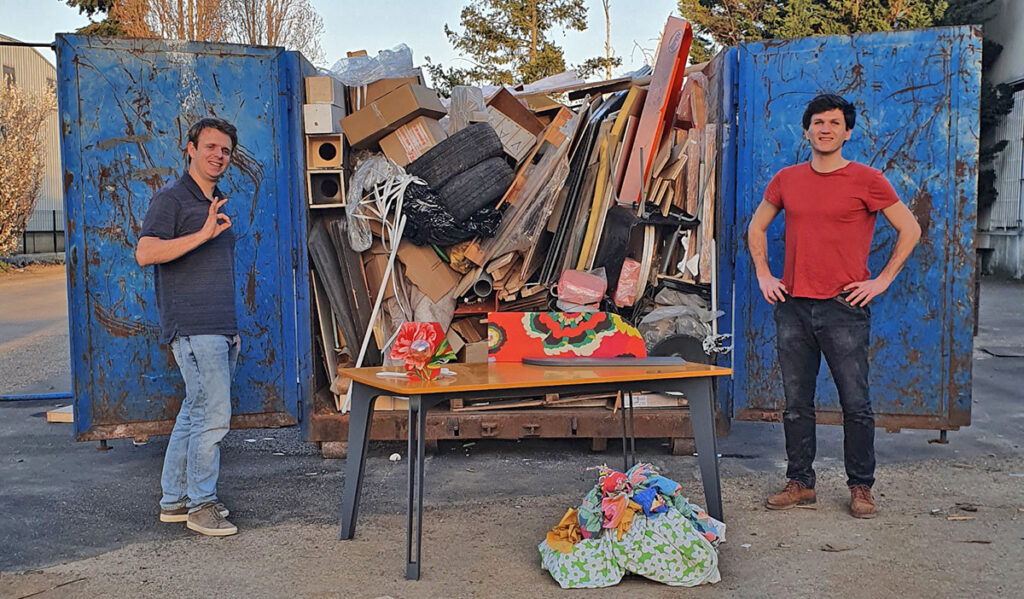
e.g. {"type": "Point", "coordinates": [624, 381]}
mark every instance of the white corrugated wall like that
{"type": "Point", "coordinates": [1007, 210]}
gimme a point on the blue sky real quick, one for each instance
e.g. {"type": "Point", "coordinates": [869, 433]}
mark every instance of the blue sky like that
{"type": "Point", "coordinates": [376, 25]}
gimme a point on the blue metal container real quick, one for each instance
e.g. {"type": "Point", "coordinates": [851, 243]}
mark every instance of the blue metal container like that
{"type": "Point", "coordinates": [917, 98]}
{"type": "Point", "coordinates": [125, 108]}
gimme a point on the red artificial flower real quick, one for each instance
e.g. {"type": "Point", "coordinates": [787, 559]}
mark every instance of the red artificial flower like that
{"type": "Point", "coordinates": [428, 332]}
{"type": "Point", "coordinates": [418, 344]}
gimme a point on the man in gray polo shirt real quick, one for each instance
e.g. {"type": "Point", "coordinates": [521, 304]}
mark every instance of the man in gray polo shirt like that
{"type": "Point", "coordinates": [190, 243]}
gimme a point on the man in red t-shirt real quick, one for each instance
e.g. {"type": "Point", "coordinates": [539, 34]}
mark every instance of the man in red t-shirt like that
{"type": "Point", "coordinates": [821, 302]}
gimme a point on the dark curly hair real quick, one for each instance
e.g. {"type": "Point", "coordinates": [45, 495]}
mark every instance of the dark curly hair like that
{"type": "Point", "coordinates": [826, 102]}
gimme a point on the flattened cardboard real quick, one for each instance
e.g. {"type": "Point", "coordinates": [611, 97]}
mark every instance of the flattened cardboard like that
{"type": "Point", "coordinates": [375, 262]}
{"type": "Point", "coordinates": [455, 341]}
{"type": "Point", "coordinates": [366, 126]}
{"type": "Point", "coordinates": [470, 329]}
{"type": "Point", "coordinates": [427, 271]}
{"type": "Point", "coordinates": [412, 140]}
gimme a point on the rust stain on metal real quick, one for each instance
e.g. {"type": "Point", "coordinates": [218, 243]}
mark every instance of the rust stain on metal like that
{"type": "Point", "coordinates": [113, 142]}
{"type": "Point", "coordinates": [152, 177]}
{"type": "Point", "coordinates": [250, 289]}
{"type": "Point", "coordinates": [120, 327]}
{"type": "Point", "coordinates": [69, 179]}
{"type": "Point", "coordinates": [163, 427]}
{"type": "Point", "coordinates": [922, 208]}
{"type": "Point", "coordinates": [269, 358]}
{"type": "Point", "coordinates": [272, 401]}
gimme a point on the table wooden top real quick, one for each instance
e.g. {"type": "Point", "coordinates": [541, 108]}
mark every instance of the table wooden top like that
{"type": "Point", "coordinates": [515, 375]}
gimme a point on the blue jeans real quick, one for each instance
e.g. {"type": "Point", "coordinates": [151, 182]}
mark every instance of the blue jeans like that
{"type": "Point", "coordinates": [807, 329]}
{"type": "Point", "coordinates": [192, 461]}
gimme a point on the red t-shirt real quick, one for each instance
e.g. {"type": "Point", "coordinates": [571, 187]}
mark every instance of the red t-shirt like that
{"type": "Point", "coordinates": [830, 218]}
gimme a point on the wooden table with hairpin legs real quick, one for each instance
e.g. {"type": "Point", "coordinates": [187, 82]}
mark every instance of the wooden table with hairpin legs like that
{"type": "Point", "coordinates": [512, 379]}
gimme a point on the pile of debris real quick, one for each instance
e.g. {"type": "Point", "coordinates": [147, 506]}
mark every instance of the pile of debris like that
{"type": "Point", "coordinates": [559, 195]}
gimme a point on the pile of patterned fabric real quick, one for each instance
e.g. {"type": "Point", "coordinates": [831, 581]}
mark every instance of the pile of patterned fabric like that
{"type": "Point", "coordinates": [636, 522]}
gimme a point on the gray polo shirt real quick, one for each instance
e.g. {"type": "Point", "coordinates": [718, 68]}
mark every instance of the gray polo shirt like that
{"type": "Point", "coordinates": [195, 294]}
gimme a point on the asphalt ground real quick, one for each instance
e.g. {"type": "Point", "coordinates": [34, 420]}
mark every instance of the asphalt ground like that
{"type": "Point", "coordinates": [64, 501]}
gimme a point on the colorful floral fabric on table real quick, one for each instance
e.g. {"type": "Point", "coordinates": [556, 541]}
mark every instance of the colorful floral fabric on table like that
{"type": "Point", "coordinates": [512, 336]}
{"type": "Point", "coordinates": [637, 522]}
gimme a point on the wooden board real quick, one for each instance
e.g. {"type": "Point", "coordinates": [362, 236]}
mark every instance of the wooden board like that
{"type": "Point", "coordinates": [325, 323]}
{"type": "Point", "coordinates": [659, 106]}
{"type": "Point", "coordinates": [500, 262]}
{"type": "Point", "coordinates": [499, 404]}
{"type": "Point", "coordinates": [707, 221]}
{"type": "Point", "coordinates": [553, 135]}
{"type": "Point", "coordinates": [606, 204]}
{"type": "Point", "coordinates": [646, 260]}
{"type": "Point", "coordinates": [63, 414]}
{"type": "Point", "coordinates": [601, 197]}
{"type": "Point", "coordinates": [692, 171]}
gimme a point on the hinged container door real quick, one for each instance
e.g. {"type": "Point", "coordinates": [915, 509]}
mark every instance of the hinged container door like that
{"type": "Point", "coordinates": [916, 94]}
{"type": "Point", "coordinates": [125, 109]}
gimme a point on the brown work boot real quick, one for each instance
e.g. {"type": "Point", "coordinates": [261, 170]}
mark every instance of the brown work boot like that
{"type": "Point", "coordinates": [208, 521]}
{"type": "Point", "coordinates": [796, 494]}
{"type": "Point", "coordinates": [181, 514]}
{"type": "Point", "coordinates": [862, 505]}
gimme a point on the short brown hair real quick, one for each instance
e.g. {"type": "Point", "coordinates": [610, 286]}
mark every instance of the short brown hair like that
{"type": "Point", "coordinates": [211, 123]}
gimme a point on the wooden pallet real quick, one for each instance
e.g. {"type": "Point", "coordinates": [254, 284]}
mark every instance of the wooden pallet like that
{"type": "Point", "coordinates": [329, 428]}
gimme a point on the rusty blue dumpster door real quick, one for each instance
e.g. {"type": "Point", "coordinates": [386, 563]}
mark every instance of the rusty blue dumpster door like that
{"type": "Point", "coordinates": [916, 94]}
{"type": "Point", "coordinates": [125, 108]}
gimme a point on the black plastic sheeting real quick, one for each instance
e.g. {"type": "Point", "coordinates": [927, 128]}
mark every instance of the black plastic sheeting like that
{"type": "Point", "coordinates": [429, 222]}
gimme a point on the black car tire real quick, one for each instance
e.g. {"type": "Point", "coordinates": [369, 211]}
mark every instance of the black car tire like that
{"type": "Point", "coordinates": [466, 148]}
{"type": "Point", "coordinates": [480, 186]}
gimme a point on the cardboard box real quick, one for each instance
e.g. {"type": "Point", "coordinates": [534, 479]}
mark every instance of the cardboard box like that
{"type": "Point", "coordinates": [363, 95]}
{"type": "Point", "coordinates": [325, 90]}
{"type": "Point", "coordinates": [375, 262]}
{"type": "Point", "coordinates": [365, 127]}
{"type": "Point", "coordinates": [515, 140]}
{"type": "Point", "coordinates": [474, 353]}
{"type": "Point", "coordinates": [508, 105]}
{"type": "Point", "coordinates": [412, 140]}
{"type": "Point", "coordinates": [427, 271]}
{"type": "Point", "coordinates": [322, 118]}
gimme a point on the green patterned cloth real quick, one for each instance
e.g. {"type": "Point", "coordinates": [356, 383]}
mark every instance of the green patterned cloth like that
{"type": "Point", "coordinates": [676, 547]}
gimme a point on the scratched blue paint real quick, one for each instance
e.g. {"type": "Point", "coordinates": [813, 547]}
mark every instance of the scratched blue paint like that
{"type": "Point", "coordinates": [125, 107]}
{"type": "Point", "coordinates": [916, 94]}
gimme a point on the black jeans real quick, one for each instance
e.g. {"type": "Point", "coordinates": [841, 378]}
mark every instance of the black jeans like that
{"type": "Point", "coordinates": [808, 328]}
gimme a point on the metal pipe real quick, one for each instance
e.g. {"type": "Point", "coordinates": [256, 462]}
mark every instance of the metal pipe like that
{"type": "Point", "coordinates": [37, 397]}
{"type": "Point", "coordinates": [484, 285]}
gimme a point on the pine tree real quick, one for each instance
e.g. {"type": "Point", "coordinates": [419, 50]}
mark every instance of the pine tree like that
{"type": "Point", "coordinates": [510, 42]}
{"type": "Point", "coordinates": [720, 23]}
